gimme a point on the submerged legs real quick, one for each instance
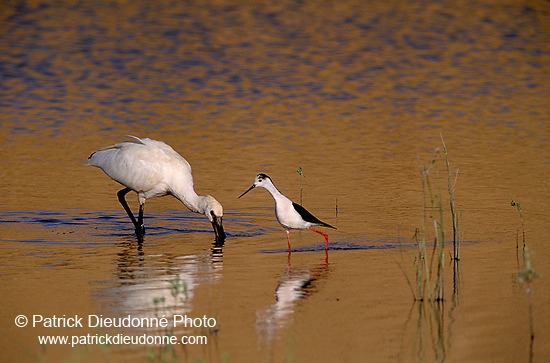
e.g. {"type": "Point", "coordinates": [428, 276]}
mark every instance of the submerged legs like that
{"type": "Point", "coordinates": [140, 229]}
{"type": "Point", "coordinates": [288, 240]}
{"type": "Point", "coordinates": [314, 230]}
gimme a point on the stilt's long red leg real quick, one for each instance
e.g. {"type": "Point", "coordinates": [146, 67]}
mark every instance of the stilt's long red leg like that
{"type": "Point", "coordinates": [288, 240]}
{"type": "Point", "coordinates": [324, 235]}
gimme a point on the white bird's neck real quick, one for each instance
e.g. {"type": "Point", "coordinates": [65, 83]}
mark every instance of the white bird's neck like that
{"type": "Point", "coordinates": [191, 199]}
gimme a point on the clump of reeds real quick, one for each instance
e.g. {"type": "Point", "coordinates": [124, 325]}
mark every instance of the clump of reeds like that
{"type": "Point", "coordinates": [430, 261]}
{"type": "Point", "coordinates": [429, 270]}
{"type": "Point", "coordinates": [431, 203]}
{"type": "Point", "coordinates": [451, 190]}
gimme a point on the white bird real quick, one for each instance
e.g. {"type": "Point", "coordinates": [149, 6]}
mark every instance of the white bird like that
{"type": "Point", "coordinates": [152, 169]}
{"type": "Point", "coordinates": [289, 214]}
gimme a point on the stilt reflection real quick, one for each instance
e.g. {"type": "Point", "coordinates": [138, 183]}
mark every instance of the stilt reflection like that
{"type": "Point", "coordinates": [294, 285]}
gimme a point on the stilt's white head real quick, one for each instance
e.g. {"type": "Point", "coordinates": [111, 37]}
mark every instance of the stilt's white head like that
{"type": "Point", "coordinates": [261, 180]}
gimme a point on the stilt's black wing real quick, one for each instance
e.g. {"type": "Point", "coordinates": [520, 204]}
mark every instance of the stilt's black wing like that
{"type": "Point", "coordinates": [308, 217]}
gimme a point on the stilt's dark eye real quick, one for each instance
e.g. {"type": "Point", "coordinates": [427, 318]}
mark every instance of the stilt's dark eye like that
{"type": "Point", "coordinates": [212, 212]}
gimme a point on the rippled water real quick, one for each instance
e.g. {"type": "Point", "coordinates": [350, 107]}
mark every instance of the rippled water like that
{"type": "Point", "coordinates": [357, 94]}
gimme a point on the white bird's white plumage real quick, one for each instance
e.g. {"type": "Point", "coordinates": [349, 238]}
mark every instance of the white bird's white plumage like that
{"type": "Point", "coordinates": [152, 168]}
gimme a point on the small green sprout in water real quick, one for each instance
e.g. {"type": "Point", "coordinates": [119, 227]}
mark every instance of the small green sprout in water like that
{"type": "Point", "coordinates": [513, 203]}
{"type": "Point", "coordinates": [528, 274]}
{"type": "Point", "coordinates": [167, 352]}
{"type": "Point", "coordinates": [300, 172]}
{"type": "Point", "coordinates": [178, 287]}
{"type": "Point", "coordinates": [526, 277]}
{"type": "Point", "coordinates": [516, 204]}
{"type": "Point", "coordinates": [159, 300]}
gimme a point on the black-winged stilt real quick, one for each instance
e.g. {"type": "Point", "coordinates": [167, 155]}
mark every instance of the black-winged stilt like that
{"type": "Point", "coordinates": [152, 169]}
{"type": "Point", "coordinates": [289, 214]}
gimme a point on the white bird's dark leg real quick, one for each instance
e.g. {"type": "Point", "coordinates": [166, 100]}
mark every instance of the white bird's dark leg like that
{"type": "Point", "coordinates": [140, 226]}
{"type": "Point", "coordinates": [122, 199]}
{"type": "Point", "coordinates": [324, 235]}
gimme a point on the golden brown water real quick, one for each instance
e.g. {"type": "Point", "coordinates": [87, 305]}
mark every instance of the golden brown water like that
{"type": "Point", "coordinates": [356, 94]}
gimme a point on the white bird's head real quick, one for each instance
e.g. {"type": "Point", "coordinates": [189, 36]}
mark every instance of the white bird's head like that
{"type": "Point", "coordinates": [261, 180]}
{"type": "Point", "coordinates": [214, 211]}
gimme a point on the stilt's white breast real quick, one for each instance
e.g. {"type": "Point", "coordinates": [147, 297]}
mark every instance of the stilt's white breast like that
{"type": "Point", "coordinates": [287, 216]}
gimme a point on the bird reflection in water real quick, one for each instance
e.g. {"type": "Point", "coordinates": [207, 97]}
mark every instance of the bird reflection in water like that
{"type": "Point", "coordinates": [150, 286]}
{"type": "Point", "coordinates": [294, 285]}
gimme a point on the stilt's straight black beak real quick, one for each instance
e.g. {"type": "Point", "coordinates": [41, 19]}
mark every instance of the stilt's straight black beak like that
{"type": "Point", "coordinates": [218, 229]}
{"type": "Point", "coordinates": [249, 189]}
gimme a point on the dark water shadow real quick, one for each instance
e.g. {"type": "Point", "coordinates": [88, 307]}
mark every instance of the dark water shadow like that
{"type": "Point", "coordinates": [77, 227]}
{"type": "Point", "coordinates": [348, 245]}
